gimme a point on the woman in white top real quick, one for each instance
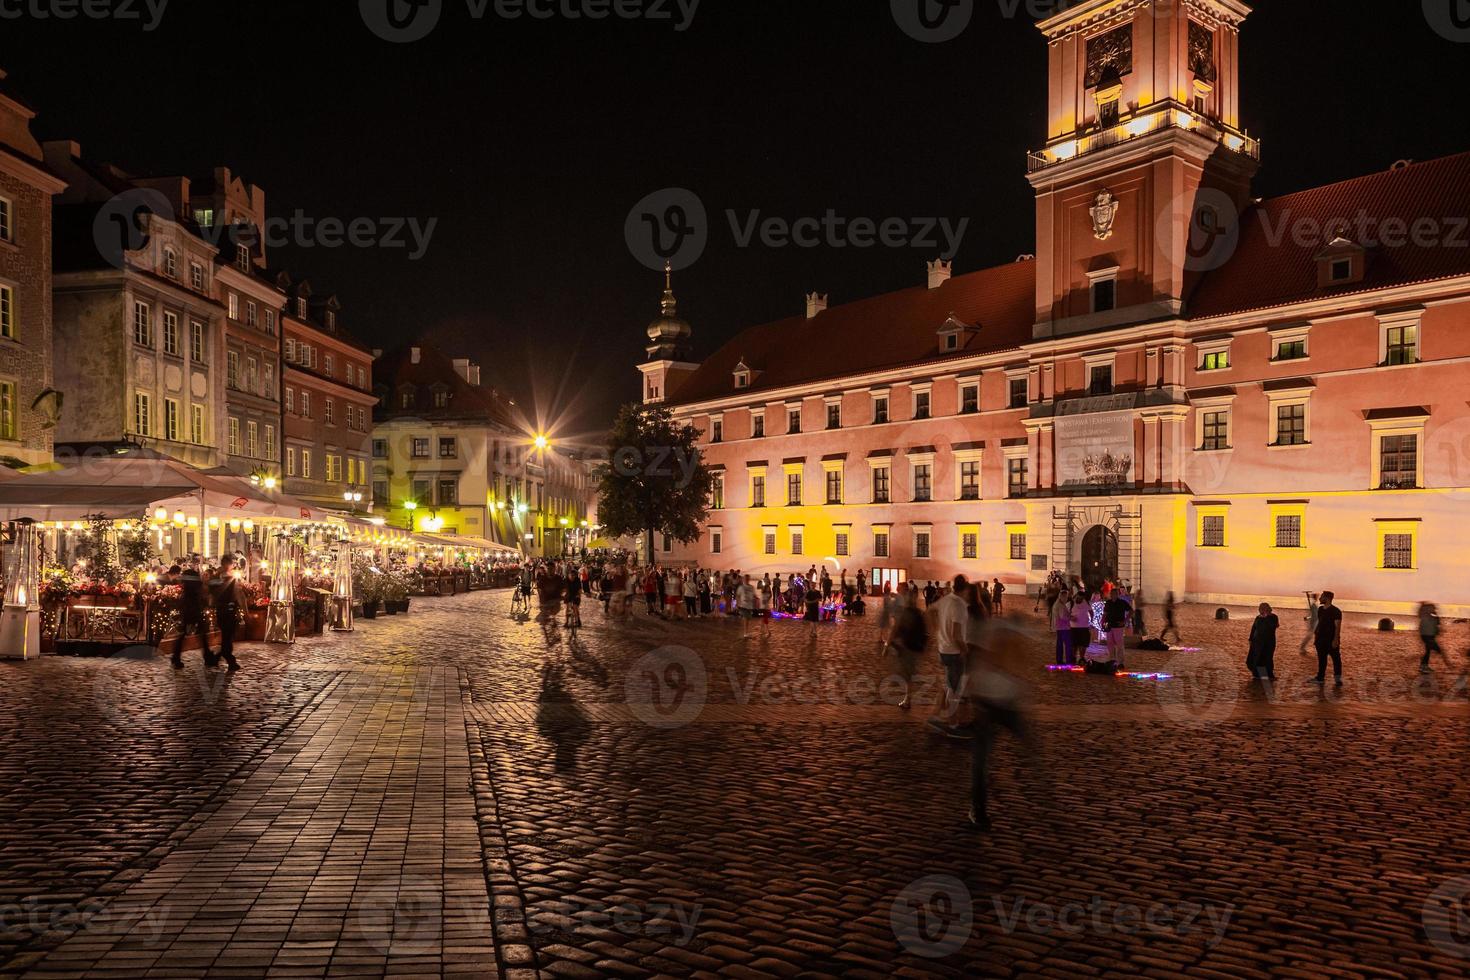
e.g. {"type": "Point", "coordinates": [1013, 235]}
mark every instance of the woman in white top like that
{"type": "Point", "coordinates": [1081, 626]}
{"type": "Point", "coordinates": [1061, 624]}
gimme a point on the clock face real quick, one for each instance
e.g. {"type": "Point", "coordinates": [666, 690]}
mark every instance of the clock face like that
{"type": "Point", "coordinates": [1110, 55]}
{"type": "Point", "coordinates": [1201, 51]}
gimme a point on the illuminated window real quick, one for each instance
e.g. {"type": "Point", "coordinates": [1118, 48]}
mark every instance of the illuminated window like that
{"type": "Point", "coordinates": [843, 538]}
{"type": "Point", "coordinates": [234, 437]}
{"type": "Point", "coordinates": [234, 306]}
{"type": "Point", "coordinates": [448, 447]}
{"type": "Point", "coordinates": [252, 438]}
{"type": "Point", "coordinates": [306, 464]}
{"type": "Point", "coordinates": [421, 449]}
{"type": "Point", "coordinates": [270, 442]}
{"type": "Point", "coordinates": [770, 540]}
{"type": "Point", "coordinates": [448, 493]}
{"type": "Point", "coordinates": [142, 414]}
{"type": "Point", "coordinates": [196, 341]}
{"type": "Point", "coordinates": [7, 313]}
{"type": "Point", "coordinates": [196, 424]}
{"type": "Point", "coordinates": [1212, 530]}
{"type": "Point", "coordinates": [290, 461]}
{"type": "Point", "coordinates": [171, 420]}
{"type": "Point", "coordinates": [880, 542]}
{"type": "Point", "coordinates": [793, 489]}
{"type": "Point", "coordinates": [1401, 345]}
{"type": "Point", "coordinates": [252, 313]}
{"type": "Point", "coordinates": [798, 535]}
{"type": "Point", "coordinates": [969, 543]}
{"type": "Point", "coordinates": [1215, 361]}
{"type": "Point", "coordinates": [1291, 350]}
{"type": "Point", "coordinates": [7, 230]}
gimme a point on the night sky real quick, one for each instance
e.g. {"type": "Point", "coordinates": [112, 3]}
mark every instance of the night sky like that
{"type": "Point", "coordinates": [530, 141]}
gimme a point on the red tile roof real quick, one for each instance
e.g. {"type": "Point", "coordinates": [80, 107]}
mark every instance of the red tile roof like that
{"type": "Point", "coordinates": [887, 331]}
{"type": "Point", "coordinates": [396, 373]}
{"type": "Point", "coordinates": [1270, 268]}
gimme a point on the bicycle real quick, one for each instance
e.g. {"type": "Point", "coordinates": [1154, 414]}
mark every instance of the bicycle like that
{"type": "Point", "coordinates": [520, 602]}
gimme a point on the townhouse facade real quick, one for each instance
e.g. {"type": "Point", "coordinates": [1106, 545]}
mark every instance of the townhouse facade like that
{"type": "Point", "coordinates": [1185, 388]}
{"type": "Point", "coordinates": [137, 321]}
{"type": "Point", "coordinates": [30, 404]}
{"type": "Point", "coordinates": [453, 456]}
{"type": "Point", "coordinates": [327, 403]}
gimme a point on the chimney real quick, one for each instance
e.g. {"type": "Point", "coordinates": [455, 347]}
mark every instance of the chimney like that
{"type": "Point", "coordinates": [815, 303]}
{"type": "Point", "coordinates": [414, 355]}
{"type": "Point", "coordinates": [462, 368]}
{"type": "Point", "coordinates": [377, 353]}
{"type": "Point", "coordinates": [939, 273]}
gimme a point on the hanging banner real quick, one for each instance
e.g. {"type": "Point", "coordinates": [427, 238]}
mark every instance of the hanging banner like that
{"type": "Point", "coordinates": [1094, 450]}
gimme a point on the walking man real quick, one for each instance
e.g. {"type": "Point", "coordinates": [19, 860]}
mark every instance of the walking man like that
{"type": "Point", "coordinates": [951, 615]}
{"type": "Point", "coordinates": [1328, 638]}
{"type": "Point", "coordinates": [1429, 635]}
{"type": "Point", "coordinates": [1169, 625]}
{"type": "Point", "coordinates": [192, 602]}
{"type": "Point", "coordinates": [227, 599]}
{"type": "Point", "coordinates": [745, 602]}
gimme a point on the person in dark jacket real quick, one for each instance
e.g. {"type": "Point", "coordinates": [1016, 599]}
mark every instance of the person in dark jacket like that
{"type": "Point", "coordinates": [1261, 661]}
{"type": "Point", "coordinates": [227, 602]}
{"type": "Point", "coordinates": [193, 601]}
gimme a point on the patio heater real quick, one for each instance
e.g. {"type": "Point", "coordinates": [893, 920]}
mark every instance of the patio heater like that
{"type": "Point", "coordinates": [20, 620]}
{"type": "Point", "coordinates": [342, 589]}
{"type": "Point", "coordinates": [283, 555]}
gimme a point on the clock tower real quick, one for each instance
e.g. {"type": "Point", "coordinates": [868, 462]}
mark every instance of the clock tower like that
{"type": "Point", "coordinates": [1145, 170]}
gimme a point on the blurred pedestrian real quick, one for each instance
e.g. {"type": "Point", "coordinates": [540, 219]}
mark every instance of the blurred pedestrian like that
{"type": "Point", "coordinates": [193, 600]}
{"type": "Point", "coordinates": [1261, 659]}
{"type": "Point", "coordinates": [1328, 639]}
{"type": "Point", "coordinates": [1429, 635]}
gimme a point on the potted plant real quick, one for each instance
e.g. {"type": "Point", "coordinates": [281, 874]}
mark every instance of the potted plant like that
{"type": "Point", "coordinates": [395, 595]}
{"type": "Point", "coordinates": [368, 584]}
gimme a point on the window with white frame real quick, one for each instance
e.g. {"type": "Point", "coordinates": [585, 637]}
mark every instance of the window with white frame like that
{"type": "Point", "coordinates": [834, 413]}
{"type": "Point", "coordinates": [921, 477]}
{"type": "Point", "coordinates": [793, 486]}
{"type": "Point", "coordinates": [252, 313]}
{"type": "Point", "coordinates": [306, 464]}
{"type": "Point", "coordinates": [768, 537]}
{"type": "Point", "coordinates": [1398, 338]}
{"type": "Point", "coordinates": [234, 436]}
{"type": "Point", "coordinates": [969, 542]}
{"type": "Point", "coordinates": [7, 220]}
{"type": "Point", "coordinates": [171, 333]}
{"type": "Point", "coordinates": [1017, 536]}
{"type": "Point", "coordinates": [196, 341]}
{"type": "Point", "coordinates": [1397, 450]}
{"type": "Point", "coordinates": [969, 397]}
{"type": "Point", "coordinates": [1020, 392]}
{"type": "Point", "coordinates": [832, 474]}
{"type": "Point", "coordinates": [717, 490]}
{"type": "Point", "coordinates": [171, 420]}
{"type": "Point", "coordinates": [1102, 289]}
{"type": "Point", "coordinates": [843, 534]}
{"type": "Point", "coordinates": [142, 413]}
{"type": "Point", "coordinates": [1212, 417]}
{"type": "Point", "coordinates": [170, 263]}
{"type": "Point", "coordinates": [716, 429]}
{"type": "Point", "coordinates": [880, 408]}
{"type": "Point", "coordinates": [882, 481]}
{"type": "Point", "coordinates": [923, 537]}
{"type": "Point", "coordinates": [921, 405]}
{"type": "Point", "coordinates": [234, 306]}
{"type": "Point", "coordinates": [196, 276]}
{"type": "Point", "coordinates": [196, 425]}
{"type": "Point", "coordinates": [1214, 355]}
{"type": "Point", "coordinates": [270, 442]}
{"type": "Point", "coordinates": [793, 419]}
{"type": "Point", "coordinates": [291, 461]}
{"type": "Point", "coordinates": [757, 425]}
{"type": "Point", "coordinates": [9, 418]}
{"type": "Point", "coordinates": [1290, 343]}
{"type": "Point", "coordinates": [252, 438]}
{"type": "Point", "coordinates": [142, 324]}
{"type": "Point", "coordinates": [716, 540]}
{"type": "Point", "coordinates": [1289, 417]}
{"type": "Point", "coordinates": [758, 488]}
{"type": "Point", "coordinates": [7, 313]}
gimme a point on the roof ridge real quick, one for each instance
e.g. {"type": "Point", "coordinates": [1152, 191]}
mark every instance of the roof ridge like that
{"type": "Point", "coordinates": [1362, 178]}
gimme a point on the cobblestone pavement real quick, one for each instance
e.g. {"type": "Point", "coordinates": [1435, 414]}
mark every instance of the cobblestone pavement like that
{"type": "Point", "coordinates": [459, 793]}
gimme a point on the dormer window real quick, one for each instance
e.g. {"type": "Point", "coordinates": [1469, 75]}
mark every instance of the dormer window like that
{"type": "Point", "coordinates": [742, 375]}
{"type": "Point", "coordinates": [301, 307]}
{"type": "Point", "coordinates": [954, 334]}
{"type": "Point", "coordinates": [242, 258]}
{"type": "Point", "coordinates": [1342, 263]}
{"type": "Point", "coordinates": [332, 319]}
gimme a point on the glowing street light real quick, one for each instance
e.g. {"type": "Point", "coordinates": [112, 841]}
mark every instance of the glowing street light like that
{"type": "Point", "coordinates": [541, 442]}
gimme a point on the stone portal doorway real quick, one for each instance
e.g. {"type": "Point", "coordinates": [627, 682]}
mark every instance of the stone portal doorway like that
{"type": "Point", "coordinates": [1099, 556]}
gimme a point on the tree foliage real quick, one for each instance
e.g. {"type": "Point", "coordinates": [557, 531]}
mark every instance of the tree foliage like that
{"type": "Point", "coordinates": [655, 479]}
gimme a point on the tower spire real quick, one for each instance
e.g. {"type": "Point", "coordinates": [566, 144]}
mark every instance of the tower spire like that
{"type": "Point", "coordinates": [669, 304]}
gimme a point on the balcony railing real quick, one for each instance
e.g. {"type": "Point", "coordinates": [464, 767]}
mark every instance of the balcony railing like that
{"type": "Point", "coordinates": [1174, 117]}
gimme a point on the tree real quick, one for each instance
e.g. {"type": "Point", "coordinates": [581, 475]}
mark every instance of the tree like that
{"type": "Point", "coordinates": [655, 479]}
